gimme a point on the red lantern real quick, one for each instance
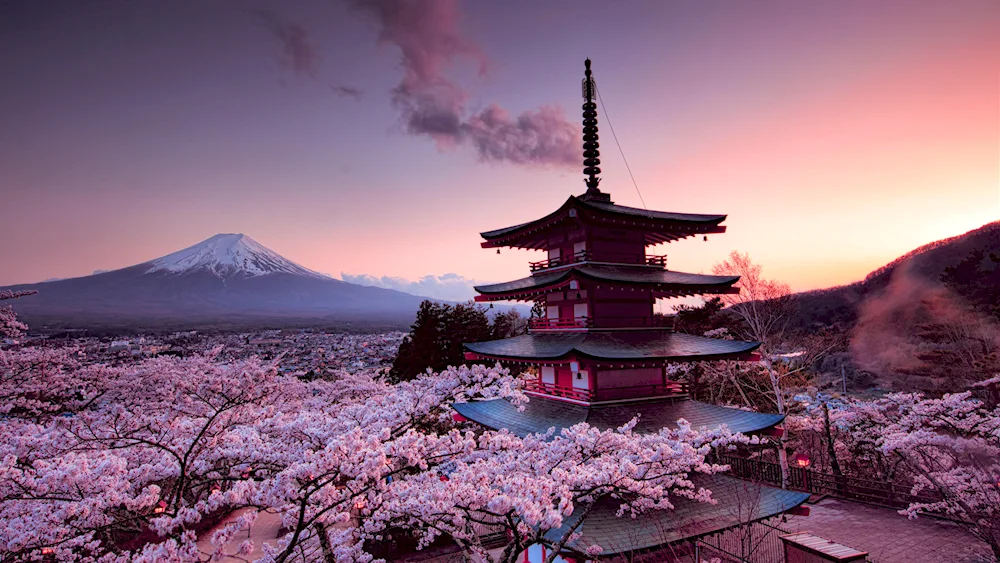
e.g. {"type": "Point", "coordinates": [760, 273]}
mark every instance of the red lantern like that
{"type": "Point", "coordinates": [802, 460]}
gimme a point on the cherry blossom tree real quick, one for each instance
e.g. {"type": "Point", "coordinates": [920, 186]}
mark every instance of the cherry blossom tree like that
{"type": "Point", "coordinates": [10, 327]}
{"type": "Point", "coordinates": [527, 488]}
{"type": "Point", "coordinates": [951, 448]}
{"type": "Point", "coordinates": [764, 307]}
{"type": "Point", "coordinates": [133, 462]}
{"type": "Point", "coordinates": [144, 454]}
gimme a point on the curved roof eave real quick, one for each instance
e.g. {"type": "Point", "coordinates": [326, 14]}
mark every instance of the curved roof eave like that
{"type": "Point", "coordinates": [704, 220]}
{"type": "Point", "coordinates": [613, 346]}
{"type": "Point", "coordinates": [541, 414]}
{"type": "Point", "coordinates": [637, 276]}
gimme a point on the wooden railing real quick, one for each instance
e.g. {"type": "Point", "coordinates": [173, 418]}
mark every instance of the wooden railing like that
{"type": "Point", "coordinates": [539, 386]}
{"type": "Point", "coordinates": [557, 261]}
{"type": "Point", "coordinates": [586, 255]}
{"type": "Point", "coordinates": [559, 324]}
{"type": "Point", "coordinates": [655, 321]}
{"type": "Point", "coordinates": [668, 389]}
{"type": "Point", "coordinates": [869, 491]}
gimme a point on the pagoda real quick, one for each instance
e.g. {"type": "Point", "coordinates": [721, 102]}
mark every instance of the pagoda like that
{"type": "Point", "coordinates": [601, 353]}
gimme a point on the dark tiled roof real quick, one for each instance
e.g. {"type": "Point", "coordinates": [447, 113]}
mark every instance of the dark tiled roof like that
{"type": "Point", "coordinates": [540, 414]}
{"type": "Point", "coordinates": [613, 345]}
{"type": "Point", "coordinates": [738, 502]}
{"type": "Point", "coordinates": [610, 208]}
{"type": "Point", "coordinates": [665, 215]}
{"type": "Point", "coordinates": [638, 275]}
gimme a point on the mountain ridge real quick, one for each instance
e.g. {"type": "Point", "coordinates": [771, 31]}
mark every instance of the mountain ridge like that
{"type": "Point", "coordinates": [838, 305]}
{"type": "Point", "coordinates": [228, 280]}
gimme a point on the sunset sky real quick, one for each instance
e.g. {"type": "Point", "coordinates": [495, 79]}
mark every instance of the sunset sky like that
{"type": "Point", "coordinates": [377, 138]}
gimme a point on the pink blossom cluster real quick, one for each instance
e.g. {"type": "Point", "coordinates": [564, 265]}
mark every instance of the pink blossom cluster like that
{"type": "Point", "coordinates": [946, 448]}
{"type": "Point", "coordinates": [136, 462]}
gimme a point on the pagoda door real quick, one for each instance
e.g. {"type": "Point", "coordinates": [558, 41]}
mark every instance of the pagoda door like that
{"type": "Point", "coordinates": [549, 375]}
{"type": "Point", "coordinates": [552, 312]}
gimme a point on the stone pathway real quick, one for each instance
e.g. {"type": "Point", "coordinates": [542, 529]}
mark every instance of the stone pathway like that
{"type": "Point", "coordinates": [265, 529]}
{"type": "Point", "coordinates": [887, 536]}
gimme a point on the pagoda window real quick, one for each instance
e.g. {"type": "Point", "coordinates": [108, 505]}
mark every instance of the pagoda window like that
{"type": "Point", "coordinates": [553, 255]}
{"type": "Point", "coordinates": [581, 379]}
{"type": "Point", "coordinates": [580, 250]}
{"type": "Point", "coordinates": [549, 375]}
{"type": "Point", "coordinates": [580, 311]}
{"type": "Point", "coordinates": [552, 311]}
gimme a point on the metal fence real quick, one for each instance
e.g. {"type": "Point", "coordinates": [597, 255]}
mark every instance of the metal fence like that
{"type": "Point", "coordinates": [881, 493]}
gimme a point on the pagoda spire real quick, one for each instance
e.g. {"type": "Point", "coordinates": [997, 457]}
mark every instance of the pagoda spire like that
{"type": "Point", "coordinates": [591, 153]}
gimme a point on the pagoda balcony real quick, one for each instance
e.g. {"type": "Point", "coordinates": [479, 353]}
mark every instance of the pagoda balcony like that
{"type": "Point", "coordinates": [560, 391]}
{"type": "Point", "coordinates": [655, 321]}
{"type": "Point", "coordinates": [668, 389]}
{"type": "Point", "coordinates": [585, 323]}
{"type": "Point", "coordinates": [560, 324]}
{"type": "Point", "coordinates": [588, 256]}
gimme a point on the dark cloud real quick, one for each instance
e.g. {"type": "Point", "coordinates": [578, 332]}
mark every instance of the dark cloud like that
{"type": "Point", "coordinates": [427, 34]}
{"type": "Point", "coordinates": [346, 92]}
{"type": "Point", "coordinates": [297, 53]}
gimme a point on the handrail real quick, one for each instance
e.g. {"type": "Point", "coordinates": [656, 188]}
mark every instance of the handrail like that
{"type": "Point", "coordinates": [587, 255]}
{"type": "Point", "coordinates": [544, 323]}
{"type": "Point", "coordinates": [881, 493]}
{"type": "Point", "coordinates": [630, 322]}
{"type": "Point", "coordinates": [561, 323]}
{"type": "Point", "coordinates": [581, 256]}
{"type": "Point", "coordinates": [539, 386]}
{"type": "Point", "coordinates": [670, 388]}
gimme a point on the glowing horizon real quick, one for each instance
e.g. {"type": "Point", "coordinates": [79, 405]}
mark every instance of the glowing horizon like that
{"type": "Point", "coordinates": [836, 139]}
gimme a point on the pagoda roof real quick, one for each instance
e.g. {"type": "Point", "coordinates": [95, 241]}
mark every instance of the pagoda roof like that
{"type": "Point", "coordinates": [540, 414]}
{"type": "Point", "coordinates": [689, 519]}
{"type": "Point", "coordinates": [663, 226]}
{"type": "Point", "coordinates": [665, 281]}
{"type": "Point", "coordinates": [613, 345]}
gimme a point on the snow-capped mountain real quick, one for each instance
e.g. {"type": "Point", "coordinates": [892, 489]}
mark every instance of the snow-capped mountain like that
{"type": "Point", "coordinates": [227, 255]}
{"type": "Point", "coordinates": [227, 281]}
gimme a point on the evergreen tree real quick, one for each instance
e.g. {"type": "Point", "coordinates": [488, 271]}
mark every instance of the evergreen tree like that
{"type": "Point", "coordinates": [437, 336]}
{"type": "Point", "coordinates": [977, 279]}
{"type": "Point", "coordinates": [506, 325]}
{"type": "Point", "coordinates": [701, 319]}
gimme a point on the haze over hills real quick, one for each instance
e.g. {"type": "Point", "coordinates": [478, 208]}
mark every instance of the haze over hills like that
{"type": "Point", "coordinates": [970, 258]}
{"type": "Point", "coordinates": [227, 281]}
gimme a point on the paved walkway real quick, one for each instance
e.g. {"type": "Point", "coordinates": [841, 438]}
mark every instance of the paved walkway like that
{"type": "Point", "coordinates": [265, 529]}
{"type": "Point", "coordinates": [887, 536]}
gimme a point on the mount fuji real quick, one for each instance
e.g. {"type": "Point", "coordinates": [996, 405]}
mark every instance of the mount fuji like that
{"type": "Point", "coordinates": [228, 281]}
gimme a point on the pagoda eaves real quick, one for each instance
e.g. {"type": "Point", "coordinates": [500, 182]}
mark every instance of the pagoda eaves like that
{"type": "Point", "coordinates": [657, 226]}
{"type": "Point", "coordinates": [615, 277]}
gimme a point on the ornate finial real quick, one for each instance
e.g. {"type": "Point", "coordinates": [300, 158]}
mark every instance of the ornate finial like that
{"type": "Point", "coordinates": [591, 155]}
{"type": "Point", "coordinates": [590, 144]}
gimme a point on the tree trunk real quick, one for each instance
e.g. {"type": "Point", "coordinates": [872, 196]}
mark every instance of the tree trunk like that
{"type": "Point", "coordinates": [779, 399]}
{"type": "Point", "coordinates": [832, 451]}
{"type": "Point", "coordinates": [324, 543]}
